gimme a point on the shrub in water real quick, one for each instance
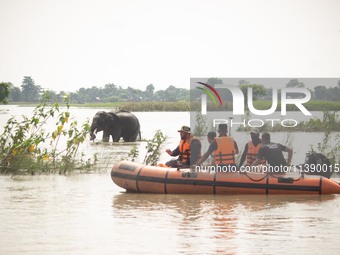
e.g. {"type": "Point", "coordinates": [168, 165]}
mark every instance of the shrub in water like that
{"type": "Point", "coordinates": [23, 143]}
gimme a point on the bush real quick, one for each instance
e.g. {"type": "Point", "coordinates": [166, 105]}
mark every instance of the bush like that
{"type": "Point", "coordinates": [23, 143]}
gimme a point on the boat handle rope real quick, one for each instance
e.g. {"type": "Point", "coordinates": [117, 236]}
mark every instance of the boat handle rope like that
{"type": "Point", "coordinates": [257, 180]}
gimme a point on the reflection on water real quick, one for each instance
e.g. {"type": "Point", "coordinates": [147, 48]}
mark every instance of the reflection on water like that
{"type": "Point", "coordinates": [232, 224]}
{"type": "Point", "coordinates": [87, 214]}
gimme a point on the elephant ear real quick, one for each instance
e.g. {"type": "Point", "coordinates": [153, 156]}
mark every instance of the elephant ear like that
{"type": "Point", "coordinates": [113, 121]}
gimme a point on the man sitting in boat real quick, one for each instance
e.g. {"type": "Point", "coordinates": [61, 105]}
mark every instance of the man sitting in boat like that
{"type": "Point", "coordinates": [272, 152]}
{"type": "Point", "coordinates": [195, 150]}
{"type": "Point", "coordinates": [182, 150]}
{"type": "Point", "coordinates": [251, 149]}
{"type": "Point", "coordinates": [223, 148]}
{"type": "Point", "coordinates": [211, 137]}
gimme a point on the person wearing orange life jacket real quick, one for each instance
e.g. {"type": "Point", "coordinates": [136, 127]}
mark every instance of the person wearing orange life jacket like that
{"type": "Point", "coordinates": [251, 149]}
{"type": "Point", "coordinates": [182, 150]}
{"type": "Point", "coordinates": [223, 148]}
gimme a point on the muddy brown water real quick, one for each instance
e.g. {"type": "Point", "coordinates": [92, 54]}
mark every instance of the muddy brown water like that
{"type": "Point", "coordinates": [88, 213]}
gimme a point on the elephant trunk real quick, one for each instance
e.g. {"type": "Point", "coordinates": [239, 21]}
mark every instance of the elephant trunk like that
{"type": "Point", "coordinates": [93, 133]}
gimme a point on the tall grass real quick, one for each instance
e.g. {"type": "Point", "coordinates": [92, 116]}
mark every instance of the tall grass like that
{"type": "Point", "coordinates": [141, 106]}
{"type": "Point", "coordinates": [330, 122]}
{"type": "Point", "coordinates": [313, 105]}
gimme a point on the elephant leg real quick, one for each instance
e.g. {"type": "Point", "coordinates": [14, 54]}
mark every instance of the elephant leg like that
{"type": "Point", "coordinates": [106, 136]}
{"type": "Point", "coordinates": [115, 138]}
{"type": "Point", "coordinates": [116, 134]}
{"type": "Point", "coordinates": [135, 135]}
{"type": "Point", "coordinates": [131, 138]}
{"type": "Point", "coordinates": [127, 139]}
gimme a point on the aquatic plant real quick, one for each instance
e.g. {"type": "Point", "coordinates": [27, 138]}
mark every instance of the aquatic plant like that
{"type": "Point", "coordinates": [133, 153]}
{"type": "Point", "coordinates": [200, 128]}
{"type": "Point", "coordinates": [153, 148]}
{"type": "Point", "coordinates": [26, 146]}
{"type": "Point", "coordinates": [330, 146]}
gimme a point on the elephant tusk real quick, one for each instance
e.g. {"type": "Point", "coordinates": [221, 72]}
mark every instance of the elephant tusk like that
{"type": "Point", "coordinates": [95, 131]}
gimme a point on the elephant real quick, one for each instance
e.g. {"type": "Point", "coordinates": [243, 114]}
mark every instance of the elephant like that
{"type": "Point", "coordinates": [116, 124]}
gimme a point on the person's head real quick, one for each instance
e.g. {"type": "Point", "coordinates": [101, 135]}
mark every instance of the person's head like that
{"type": "Point", "coordinates": [223, 129]}
{"type": "Point", "coordinates": [184, 132]}
{"type": "Point", "coordinates": [265, 138]}
{"type": "Point", "coordinates": [211, 136]}
{"type": "Point", "coordinates": [255, 134]}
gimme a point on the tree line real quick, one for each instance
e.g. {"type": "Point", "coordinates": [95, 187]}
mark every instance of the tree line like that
{"type": "Point", "coordinates": [319, 92]}
{"type": "Point", "coordinates": [30, 92]}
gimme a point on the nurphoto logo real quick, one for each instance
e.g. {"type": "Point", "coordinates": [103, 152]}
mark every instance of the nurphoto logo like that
{"type": "Point", "coordinates": [242, 102]}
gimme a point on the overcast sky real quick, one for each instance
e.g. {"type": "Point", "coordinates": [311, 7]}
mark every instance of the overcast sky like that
{"type": "Point", "coordinates": [68, 44]}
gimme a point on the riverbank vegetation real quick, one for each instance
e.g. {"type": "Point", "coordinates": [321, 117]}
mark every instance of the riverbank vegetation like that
{"type": "Point", "coordinates": [171, 99]}
{"type": "Point", "coordinates": [110, 93]}
{"type": "Point", "coordinates": [323, 98]}
{"type": "Point", "coordinates": [313, 105]}
{"type": "Point", "coordinates": [330, 147]}
{"type": "Point", "coordinates": [183, 106]}
{"type": "Point", "coordinates": [330, 122]}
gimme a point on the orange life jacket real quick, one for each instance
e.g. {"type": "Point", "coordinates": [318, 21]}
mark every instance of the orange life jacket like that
{"type": "Point", "coordinates": [225, 152]}
{"type": "Point", "coordinates": [184, 151]}
{"type": "Point", "coordinates": [252, 154]}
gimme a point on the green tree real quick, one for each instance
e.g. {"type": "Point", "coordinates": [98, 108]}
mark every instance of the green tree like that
{"type": "Point", "coordinates": [110, 91]}
{"type": "Point", "coordinates": [4, 92]}
{"type": "Point", "coordinates": [214, 81]}
{"type": "Point", "coordinates": [243, 82]}
{"type": "Point", "coordinates": [295, 83]}
{"type": "Point", "coordinates": [320, 92]}
{"type": "Point", "coordinates": [149, 92]}
{"type": "Point", "coordinates": [30, 91]}
{"type": "Point", "coordinates": [258, 91]}
{"type": "Point", "coordinates": [14, 93]}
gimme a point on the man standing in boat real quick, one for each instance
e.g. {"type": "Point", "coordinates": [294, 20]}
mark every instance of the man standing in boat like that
{"type": "Point", "coordinates": [272, 152]}
{"type": "Point", "coordinates": [251, 149]}
{"type": "Point", "coordinates": [223, 148]}
{"type": "Point", "coordinates": [182, 150]}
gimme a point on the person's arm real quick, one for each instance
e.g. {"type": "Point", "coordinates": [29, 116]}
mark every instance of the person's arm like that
{"type": "Point", "coordinates": [290, 155]}
{"type": "Point", "coordinates": [204, 158]}
{"type": "Point", "coordinates": [256, 162]}
{"type": "Point", "coordinates": [173, 153]}
{"type": "Point", "coordinates": [243, 157]}
{"type": "Point", "coordinates": [260, 156]}
{"type": "Point", "coordinates": [236, 147]}
{"type": "Point", "coordinates": [212, 147]}
{"type": "Point", "coordinates": [168, 151]}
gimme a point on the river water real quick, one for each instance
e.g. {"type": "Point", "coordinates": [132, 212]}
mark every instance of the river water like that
{"type": "Point", "coordinates": [88, 213]}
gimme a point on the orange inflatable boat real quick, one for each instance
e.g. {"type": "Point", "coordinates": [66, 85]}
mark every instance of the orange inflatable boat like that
{"type": "Point", "coordinates": [136, 177]}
